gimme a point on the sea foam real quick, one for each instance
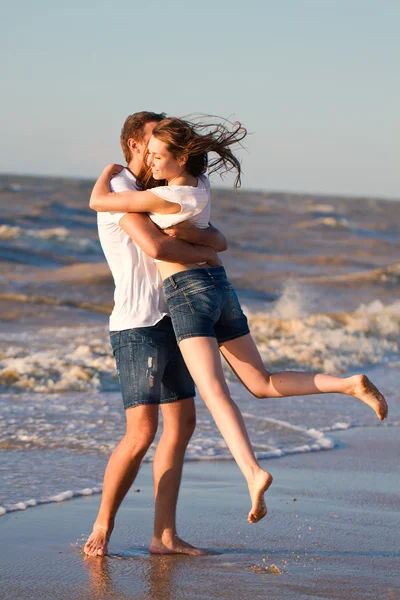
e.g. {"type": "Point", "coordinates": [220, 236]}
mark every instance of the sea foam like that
{"type": "Point", "coordinates": [62, 360]}
{"type": "Point", "coordinates": [61, 497]}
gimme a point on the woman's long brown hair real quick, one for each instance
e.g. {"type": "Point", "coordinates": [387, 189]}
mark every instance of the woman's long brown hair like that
{"type": "Point", "coordinates": [196, 140]}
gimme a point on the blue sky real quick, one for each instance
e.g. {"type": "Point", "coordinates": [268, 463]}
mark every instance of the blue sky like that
{"type": "Point", "coordinates": [316, 82]}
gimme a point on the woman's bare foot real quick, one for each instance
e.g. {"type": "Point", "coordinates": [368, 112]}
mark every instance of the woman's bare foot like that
{"type": "Point", "coordinates": [364, 390]}
{"type": "Point", "coordinates": [257, 488]}
{"type": "Point", "coordinates": [97, 544]}
{"type": "Point", "coordinates": [174, 545]}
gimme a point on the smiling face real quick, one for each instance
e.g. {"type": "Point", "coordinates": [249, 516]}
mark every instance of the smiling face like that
{"type": "Point", "coordinates": [162, 162]}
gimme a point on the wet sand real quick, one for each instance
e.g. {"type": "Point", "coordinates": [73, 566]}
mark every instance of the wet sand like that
{"type": "Point", "coordinates": [337, 540]}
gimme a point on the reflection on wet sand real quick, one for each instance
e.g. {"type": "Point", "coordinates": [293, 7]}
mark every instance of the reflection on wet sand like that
{"type": "Point", "coordinates": [151, 577]}
{"type": "Point", "coordinates": [100, 580]}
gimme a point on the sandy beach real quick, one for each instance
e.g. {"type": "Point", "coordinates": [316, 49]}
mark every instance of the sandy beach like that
{"type": "Point", "coordinates": [331, 532]}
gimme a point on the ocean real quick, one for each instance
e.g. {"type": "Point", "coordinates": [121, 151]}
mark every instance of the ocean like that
{"type": "Point", "coordinates": [318, 276]}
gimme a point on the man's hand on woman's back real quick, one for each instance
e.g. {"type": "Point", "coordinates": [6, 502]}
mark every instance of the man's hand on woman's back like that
{"type": "Point", "coordinates": [188, 232]}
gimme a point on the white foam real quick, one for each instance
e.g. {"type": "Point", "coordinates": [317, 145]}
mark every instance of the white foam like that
{"type": "Point", "coordinates": [330, 343]}
{"type": "Point", "coordinates": [329, 221]}
{"type": "Point", "coordinates": [294, 302]}
{"type": "Point", "coordinates": [338, 427]}
{"type": "Point", "coordinates": [79, 359]}
{"type": "Point", "coordinates": [58, 365]}
{"type": "Point", "coordinates": [321, 443]}
{"type": "Point", "coordinates": [61, 236]}
{"type": "Point", "coordinates": [67, 495]}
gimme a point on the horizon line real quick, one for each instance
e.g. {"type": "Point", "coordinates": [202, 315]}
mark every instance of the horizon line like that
{"type": "Point", "coordinates": [352, 196]}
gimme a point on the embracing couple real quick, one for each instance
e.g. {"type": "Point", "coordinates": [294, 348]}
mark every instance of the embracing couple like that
{"type": "Point", "coordinates": [175, 313]}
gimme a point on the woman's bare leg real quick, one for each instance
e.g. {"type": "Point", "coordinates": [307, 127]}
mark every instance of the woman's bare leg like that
{"type": "Point", "coordinates": [203, 360]}
{"type": "Point", "coordinates": [244, 358]}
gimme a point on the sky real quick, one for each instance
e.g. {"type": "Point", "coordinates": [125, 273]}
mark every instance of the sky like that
{"type": "Point", "coordinates": [315, 82]}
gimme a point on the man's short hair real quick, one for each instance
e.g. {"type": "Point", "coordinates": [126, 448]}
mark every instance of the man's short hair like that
{"type": "Point", "coordinates": [133, 128]}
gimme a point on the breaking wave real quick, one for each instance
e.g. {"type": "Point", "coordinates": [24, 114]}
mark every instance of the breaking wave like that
{"type": "Point", "coordinates": [50, 238]}
{"type": "Point", "coordinates": [70, 360]}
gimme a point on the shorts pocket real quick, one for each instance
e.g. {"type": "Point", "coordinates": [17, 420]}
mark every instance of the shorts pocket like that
{"type": "Point", "coordinates": [114, 338]}
{"type": "Point", "coordinates": [232, 305]}
{"type": "Point", "coordinates": [179, 304]}
{"type": "Point", "coordinates": [123, 351]}
{"type": "Point", "coordinates": [203, 301]}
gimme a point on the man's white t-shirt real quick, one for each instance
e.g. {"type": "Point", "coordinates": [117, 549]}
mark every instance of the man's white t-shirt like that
{"type": "Point", "coordinates": [138, 296]}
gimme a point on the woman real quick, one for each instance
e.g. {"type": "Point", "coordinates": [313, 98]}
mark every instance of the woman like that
{"type": "Point", "coordinates": [204, 308]}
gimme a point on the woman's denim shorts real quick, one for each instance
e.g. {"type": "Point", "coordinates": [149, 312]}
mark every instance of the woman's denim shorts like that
{"type": "Point", "coordinates": [150, 366]}
{"type": "Point", "coordinates": [202, 303]}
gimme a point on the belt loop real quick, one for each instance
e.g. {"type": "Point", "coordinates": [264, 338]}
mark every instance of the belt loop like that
{"type": "Point", "coordinates": [173, 282]}
{"type": "Point", "coordinates": [209, 272]}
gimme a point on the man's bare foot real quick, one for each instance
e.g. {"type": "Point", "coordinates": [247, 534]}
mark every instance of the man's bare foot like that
{"type": "Point", "coordinates": [364, 390]}
{"type": "Point", "coordinates": [257, 488]}
{"type": "Point", "coordinates": [97, 544]}
{"type": "Point", "coordinates": [174, 545]}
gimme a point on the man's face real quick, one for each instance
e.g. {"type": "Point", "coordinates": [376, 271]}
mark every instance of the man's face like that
{"type": "Point", "coordinates": [147, 131]}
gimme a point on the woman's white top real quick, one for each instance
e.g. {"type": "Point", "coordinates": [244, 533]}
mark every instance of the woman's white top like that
{"type": "Point", "coordinates": [194, 202]}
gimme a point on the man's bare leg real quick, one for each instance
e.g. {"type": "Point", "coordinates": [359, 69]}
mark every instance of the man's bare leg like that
{"type": "Point", "coordinates": [245, 360]}
{"type": "Point", "coordinates": [179, 423]}
{"type": "Point", "coordinates": [121, 471]}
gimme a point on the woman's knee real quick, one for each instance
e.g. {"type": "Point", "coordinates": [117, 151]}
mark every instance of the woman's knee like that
{"type": "Point", "coordinates": [216, 397]}
{"type": "Point", "coordinates": [260, 393]}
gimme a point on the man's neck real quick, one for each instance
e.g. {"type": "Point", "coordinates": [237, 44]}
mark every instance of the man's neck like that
{"type": "Point", "coordinates": [134, 166]}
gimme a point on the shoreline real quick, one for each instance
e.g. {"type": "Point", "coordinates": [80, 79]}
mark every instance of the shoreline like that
{"type": "Point", "coordinates": [337, 539]}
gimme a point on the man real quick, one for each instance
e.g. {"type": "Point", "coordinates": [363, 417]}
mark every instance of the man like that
{"type": "Point", "coordinates": [150, 367]}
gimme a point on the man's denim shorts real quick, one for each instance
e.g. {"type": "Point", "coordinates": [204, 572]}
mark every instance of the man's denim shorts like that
{"type": "Point", "coordinates": [150, 366]}
{"type": "Point", "coordinates": [202, 303]}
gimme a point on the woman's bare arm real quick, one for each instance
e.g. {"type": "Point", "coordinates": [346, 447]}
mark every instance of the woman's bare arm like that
{"type": "Point", "coordinates": [102, 200]}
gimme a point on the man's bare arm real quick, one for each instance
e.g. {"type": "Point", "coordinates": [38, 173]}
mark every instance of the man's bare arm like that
{"type": "Point", "coordinates": [202, 237]}
{"type": "Point", "coordinates": [163, 247]}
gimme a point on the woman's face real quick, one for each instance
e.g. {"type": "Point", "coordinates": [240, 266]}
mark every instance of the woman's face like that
{"type": "Point", "coordinates": [162, 163]}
